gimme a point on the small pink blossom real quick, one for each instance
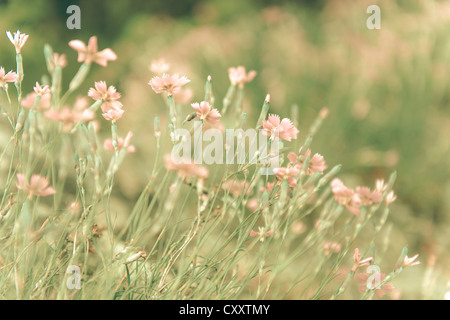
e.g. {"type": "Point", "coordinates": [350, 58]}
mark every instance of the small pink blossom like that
{"type": "Point", "coordinates": [380, 185]}
{"type": "Point", "coordinates": [316, 163]}
{"type": "Point", "coordinates": [288, 174]}
{"type": "Point", "coordinates": [409, 262]}
{"type": "Point", "coordinates": [113, 114]}
{"type": "Point", "coordinates": [183, 96]}
{"type": "Point", "coordinates": [71, 116]}
{"type": "Point", "coordinates": [252, 204]}
{"type": "Point", "coordinates": [41, 90]}
{"type": "Point", "coordinates": [109, 95]}
{"type": "Point", "coordinates": [186, 168]}
{"type": "Point", "coordinates": [368, 197]}
{"type": "Point", "coordinates": [345, 196]}
{"type": "Point", "coordinates": [260, 233]}
{"type": "Point", "coordinates": [59, 60]}
{"type": "Point", "coordinates": [6, 77]}
{"type": "Point", "coordinates": [239, 76]}
{"type": "Point", "coordinates": [237, 187]}
{"type": "Point", "coordinates": [159, 66]}
{"type": "Point", "coordinates": [38, 186]}
{"type": "Point", "coordinates": [206, 113]}
{"type": "Point", "coordinates": [44, 104]}
{"type": "Point", "coordinates": [269, 186]}
{"type": "Point", "coordinates": [122, 143]}
{"type": "Point", "coordinates": [276, 129]}
{"type": "Point", "coordinates": [298, 228]}
{"type": "Point", "coordinates": [390, 197]}
{"type": "Point", "coordinates": [18, 40]}
{"type": "Point", "coordinates": [332, 247]}
{"type": "Point", "coordinates": [357, 262]}
{"type": "Point", "coordinates": [90, 53]}
{"type": "Point", "coordinates": [168, 83]}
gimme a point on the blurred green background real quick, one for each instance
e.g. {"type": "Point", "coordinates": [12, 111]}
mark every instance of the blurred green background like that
{"type": "Point", "coordinates": [387, 90]}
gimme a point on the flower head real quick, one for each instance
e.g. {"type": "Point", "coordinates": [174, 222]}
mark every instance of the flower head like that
{"type": "Point", "coordinates": [41, 90]}
{"type": "Point", "coordinates": [183, 96]}
{"type": "Point", "coordinates": [276, 129]}
{"type": "Point", "coordinates": [18, 40]}
{"type": "Point", "coordinates": [288, 174]}
{"type": "Point", "coordinates": [123, 143]}
{"type": "Point", "coordinates": [109, 95]}
{"type": "Point", "coordinates": [37, 186]}
{"type": "Point", "coordinates": [206, 113]}
{"type": "Point", "coordinates": [159, 66]}
{"type": "Point", "coordinates": [90, 53]}
{"type": "Point", "coordinates": [168, 83]}
{"type": "Point", "coordinates": [186, 168]}
{"type": "Point", "coordinates": [357, 262]}
{"type": "Point", "coordinates": [316, 163]}
{"type": "Point", "coordinates": [237, 187]}
{"type": "Point", "coordinates": [113, 114]}
{"type": "Point", "coordinates": [368, 197]}
{"type": "Point", "coordinates": [239, 76]}
{"type": "Point", "coordinates": [391, 197]}
{"type": "Point", "coordinates": [332, 247]}
{"type": "Point", "coordinates": [71, 116]}
{"type": "Point", "coordinates": [58, 60]}
{"type": "Point", "coordinates": [44, 104]}
{"type": "Point", "coordinates": [6, 77]}
{"type": "Point", "coordinates": [409, 262]}
{"type": "Point", "coordinates": [345, 196]}
{"type": "Point", "coordinates": [261, 234]}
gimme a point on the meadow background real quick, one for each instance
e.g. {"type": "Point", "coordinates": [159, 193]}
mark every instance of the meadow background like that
{"type": "Point", "coordinates": [387, 90]}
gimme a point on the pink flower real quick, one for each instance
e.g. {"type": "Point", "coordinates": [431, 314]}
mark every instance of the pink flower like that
{"type": "Point", "coordinates": [269, 186]}
{"type": "Point", "coordinates": [183, 96]}
{"type": "Point", "coordinates": [409, 262]}
{"type": "Point", "coordinates": [109, 95]}
{"type": "Point", "coordinates": [113, 114]}
{"type": "Point", "coordinates": [18, 40]}
{"type": "Point", "coordinates": [8, 77]}
{"type": "Point", "coordinates": [391, 197]}
{"type": "Point", "coordinates": [59, 60]}
{"type": "Point", "coordinates": [44, 104]}
{"type": "Point", "coordinates": [316, 163]}
{"type": "Point", "coordinates": [252, 204]}
{"type": "Point", "coordinates": [90, 53]}
{"type": "Point", "coordinates": [167, 83]}
{"type": "Point", "coordinates": [186, 168]}
{"type": "Point", "coordinates": [284, 130]}
{"type": "Point", "coordinates": [108, 144]}
{"type": "Point", "coordinates": [260, 233]}
{"type": "Point", "coordinates": [332, 247]}
{"type": "Point", "coordinates": [159, 66]}
{"type": "Point", "coordinates": [238, 76]}
{"type": "Point", "coordinates": [205, 113]}
{"type": "Point", "coordinates": [357, 262]}
{"type": "Point", "coordinates": [237, 187]}
{"type": "Point", "coordinates": [40, 91]}
{"type": "Point", "coordinates": [345, 196]}
{"type": "Point", "coordinates": [288, 174]}
{"type": "Point", "coordinates": [368, 197]}
{"type": "Point", "coordinates": [71, 116]}
{"type": "Point", "coordinates": [38, 186]}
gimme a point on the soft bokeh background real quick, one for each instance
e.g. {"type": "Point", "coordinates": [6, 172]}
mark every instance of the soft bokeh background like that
{"type": "Point", "coordinates": [387, 90]}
